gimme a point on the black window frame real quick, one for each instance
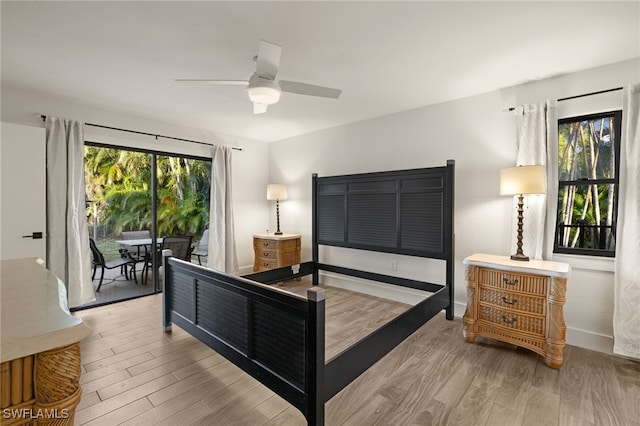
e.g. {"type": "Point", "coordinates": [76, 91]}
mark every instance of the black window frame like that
{"type": "Point", "coordinates": [617, 126]}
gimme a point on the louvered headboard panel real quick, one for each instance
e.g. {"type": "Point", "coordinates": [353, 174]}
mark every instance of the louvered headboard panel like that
{"type": "Point", "coordinates": [404, 212]}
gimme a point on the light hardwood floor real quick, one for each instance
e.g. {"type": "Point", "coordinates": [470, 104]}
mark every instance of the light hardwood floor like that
{"type": "Point", "coordinates": [135, 374]}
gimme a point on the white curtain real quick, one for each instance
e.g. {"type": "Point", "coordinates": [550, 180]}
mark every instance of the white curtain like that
{"type": "Point", "coordinates": [626, 310]}
{"type": "Point", "coordinates": [222, 243]}
{"type": "Point", "coordinates": [68, 252]}
{"type": "Point", "coordinates": [537, 144]}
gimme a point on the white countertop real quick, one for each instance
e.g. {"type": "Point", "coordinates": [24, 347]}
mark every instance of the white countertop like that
{"type": "Point", "coordinates": [34, 315]}
{"type": "Point", "coordinates": [533, 266]}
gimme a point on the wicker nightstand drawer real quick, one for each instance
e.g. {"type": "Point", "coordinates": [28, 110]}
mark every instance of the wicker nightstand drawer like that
{"type": "Point", "coordinates": [285, 245]}
{"type": "Point", "coordinates": [511, 319]}
{"type": "Point", "coordinates": [517, 302]}
{"type": "Point", "coordinates": [532, 284]}
{"type": "Point", "coordinates": [513, 301]}
{"type": "Point", "coordinates": [266, 254]}
{"type": "Point", "coordinates": [264, 263]}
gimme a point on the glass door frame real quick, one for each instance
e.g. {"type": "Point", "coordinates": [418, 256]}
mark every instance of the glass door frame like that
{"type": "Point", "coordinates": [155, 257]}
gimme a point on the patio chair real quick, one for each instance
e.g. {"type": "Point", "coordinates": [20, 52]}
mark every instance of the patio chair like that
{"type": "Point", "coordinates": [98, 260]}
{"type": "Point", "coordinates": [202, 249]}
{"type": "Point", "coordinates": [180, 246]}
{"type": "Point", "coordinates": [135, 253]}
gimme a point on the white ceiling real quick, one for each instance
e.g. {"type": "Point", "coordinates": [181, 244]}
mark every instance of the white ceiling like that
{"type": "Point", "coordinates": [385, 56]}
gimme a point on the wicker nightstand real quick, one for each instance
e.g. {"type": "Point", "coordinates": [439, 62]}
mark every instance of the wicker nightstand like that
{"type": "Point", "coordinates": [274, 251]}
{"type": "Point", "coordinates": [517, 302]}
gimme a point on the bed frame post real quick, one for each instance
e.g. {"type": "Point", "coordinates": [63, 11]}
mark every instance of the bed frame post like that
{"type": "Point", "coordinates": [315, 357]}
{"type": "Point", "coordinates": [449, 232]}
{"type": "Point", "coordinates": [314, 228]}
{"type": "Point", "coordinates": [166, 301]}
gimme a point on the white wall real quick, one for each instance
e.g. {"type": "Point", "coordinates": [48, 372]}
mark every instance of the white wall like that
{"type": "Point", "coordinates": [250, 169]}
{"type": "Point", "coordinates": [480, 136]}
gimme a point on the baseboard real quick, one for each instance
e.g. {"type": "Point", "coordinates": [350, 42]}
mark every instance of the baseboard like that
{"type": "Point", "coordinates": [245, 270]}
{"type": "Point", "coordinates": [589, 340]}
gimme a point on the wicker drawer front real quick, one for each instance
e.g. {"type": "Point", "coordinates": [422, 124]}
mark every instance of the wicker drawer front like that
{"type": "Point", "coordinates": [264, 263]}
{"type": "Point", "coordinates": [266, 253]}
{"type": "Point", "coordinates": [284, 245]}
{"type": "Point", "coordinates": [516, 301]}
{"type": "Point", "coordinates": [511, 319]}
{"type": "Point", "coordinates": [532, 284]}
{"type": "Point", "coordinates": [265, 244]}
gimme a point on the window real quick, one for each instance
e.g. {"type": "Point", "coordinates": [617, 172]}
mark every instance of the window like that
{"type": "Point", "coordinates": [588, 156]}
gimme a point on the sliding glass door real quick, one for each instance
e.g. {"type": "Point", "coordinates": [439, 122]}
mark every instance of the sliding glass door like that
{"type": "Point", "coordinates": [134, 200]}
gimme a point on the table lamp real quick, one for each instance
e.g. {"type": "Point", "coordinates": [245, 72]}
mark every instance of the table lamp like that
{"type": "Point", "coordinates": [519, 181]}
{"type": "Point", "coordinates": [277, 191]}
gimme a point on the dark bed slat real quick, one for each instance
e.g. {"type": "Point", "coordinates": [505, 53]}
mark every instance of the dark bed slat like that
{"type": "Point", "coordinates": [404, 282]}
{"type": "Point", "coordinates": [272, 276]}
{"type": "Point", "coordinates": [421, 222]}
{"type": "Point", "coordinates": [281, 349]}
{"type": "Point", "coordinates": [223, 314]}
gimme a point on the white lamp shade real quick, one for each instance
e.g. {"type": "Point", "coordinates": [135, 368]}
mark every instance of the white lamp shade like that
{"type": "Point", "coordinates": [276, 191]}
{"type": "Point", "coordinates": [522, 180]}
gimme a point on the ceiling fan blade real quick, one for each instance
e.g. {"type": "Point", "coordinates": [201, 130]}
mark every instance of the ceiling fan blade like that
{"type": "Point", "coordinates": [268, 60]}
{"type": "Point", "coordinates": [205, 80]}
{"type": "Point", "coordinates": [259, 108]}
{"type": "Point", "coordinates": [309, 89]}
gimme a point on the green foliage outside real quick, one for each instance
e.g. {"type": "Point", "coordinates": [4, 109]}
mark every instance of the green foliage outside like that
{"type": "Point", "coordinates": [118, 186]}
{"type": "Point", "coordinates": [586, 156]}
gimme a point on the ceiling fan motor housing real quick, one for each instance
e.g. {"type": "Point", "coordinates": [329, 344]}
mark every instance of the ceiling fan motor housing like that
{"type": "Point", "coordinates": [263, 90]}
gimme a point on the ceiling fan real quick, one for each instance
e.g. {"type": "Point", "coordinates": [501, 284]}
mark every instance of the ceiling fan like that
{"type": "Point", "coordinates": [263, 88]}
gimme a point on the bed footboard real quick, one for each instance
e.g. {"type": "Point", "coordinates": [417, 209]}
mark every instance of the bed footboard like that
{"type": "Point", "coordinates": [275, 336]}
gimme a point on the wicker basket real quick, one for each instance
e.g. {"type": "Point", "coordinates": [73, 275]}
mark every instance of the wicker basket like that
{"type": "Point", "coordinates": [57, 389]}
{"type": "Point", "coordinates": [57, 374]}
{"type": "Point", "coordinates": [58, 413]}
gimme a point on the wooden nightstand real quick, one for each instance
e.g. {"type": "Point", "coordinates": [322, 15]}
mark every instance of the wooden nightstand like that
{"type": "Point", "coordinates": [274, 251]}
{"type": "Point", "coordinates": [517, 302]}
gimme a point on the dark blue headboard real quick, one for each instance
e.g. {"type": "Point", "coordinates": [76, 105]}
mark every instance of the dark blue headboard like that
{"type": "Point", "coordinates": [404, 212]}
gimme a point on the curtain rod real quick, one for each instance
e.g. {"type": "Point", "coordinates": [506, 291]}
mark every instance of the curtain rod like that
{"type": "Point", "coordinates": [44, 117]}
{"type": "Point", "coordinates": [582, 96]}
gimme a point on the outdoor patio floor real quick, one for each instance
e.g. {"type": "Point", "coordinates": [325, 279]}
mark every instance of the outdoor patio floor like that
{"type": "Point", "coordinates": [116, 287]}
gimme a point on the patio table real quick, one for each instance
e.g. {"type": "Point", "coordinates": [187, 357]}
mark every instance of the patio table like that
{"type": "Point", "coordinates": [142, 242]}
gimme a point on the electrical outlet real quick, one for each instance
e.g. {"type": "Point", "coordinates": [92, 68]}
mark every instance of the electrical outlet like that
{"type": "Point", "coordinates": [394, 265]}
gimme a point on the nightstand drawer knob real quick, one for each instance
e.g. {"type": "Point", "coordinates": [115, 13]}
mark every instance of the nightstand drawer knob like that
{"type": "Point", "coordinates": [509, 321]}
{"type": "Point", "coordinates": [265, 244]}
{"type": "Point", "coordinates": [512, 302]}
{"type": "Point", "coordinates": [507, 282]}
{"type": "Point", "coordinates": [265, 254]}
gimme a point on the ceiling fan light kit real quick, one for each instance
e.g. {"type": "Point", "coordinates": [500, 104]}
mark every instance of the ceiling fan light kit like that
{"type": "Point", "coordinates": [264, 89]}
